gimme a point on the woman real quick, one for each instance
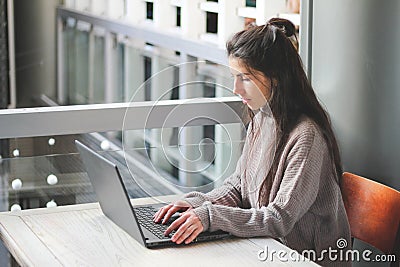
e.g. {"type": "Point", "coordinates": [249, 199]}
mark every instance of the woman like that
{"type": "Point", "coordinates": [286, 184]}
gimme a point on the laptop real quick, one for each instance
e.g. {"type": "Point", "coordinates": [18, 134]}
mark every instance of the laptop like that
{"type": "Point", "coordinates": [114, 201]}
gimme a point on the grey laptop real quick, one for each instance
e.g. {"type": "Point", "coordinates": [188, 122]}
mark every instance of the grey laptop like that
{"type": "Point", "coordinates": [111, 193]}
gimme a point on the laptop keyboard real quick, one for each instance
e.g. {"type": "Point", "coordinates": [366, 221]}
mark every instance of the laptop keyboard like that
{"type": "Point", "coordinates": [145, 218]}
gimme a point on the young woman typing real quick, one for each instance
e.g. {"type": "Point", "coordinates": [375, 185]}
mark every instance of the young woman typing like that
{"type": "Point", "coordinates": [286, 183]}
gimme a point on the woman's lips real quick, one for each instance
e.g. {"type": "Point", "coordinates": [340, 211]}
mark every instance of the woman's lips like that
{"type": "Point", "coordinates": [245, 100]}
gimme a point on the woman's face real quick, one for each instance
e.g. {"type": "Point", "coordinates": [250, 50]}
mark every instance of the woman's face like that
{"type": "Point", "coordinates": [254, 88]}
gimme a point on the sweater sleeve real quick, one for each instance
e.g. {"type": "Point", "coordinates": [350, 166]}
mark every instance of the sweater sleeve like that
{"type": "Point", "coordinates": [297, 192]}
{"type": "Point", "coordinates": [229, 194]}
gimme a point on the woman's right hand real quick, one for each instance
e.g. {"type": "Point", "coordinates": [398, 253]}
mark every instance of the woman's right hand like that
{"type": "Point", "coordinates": [167, 211]}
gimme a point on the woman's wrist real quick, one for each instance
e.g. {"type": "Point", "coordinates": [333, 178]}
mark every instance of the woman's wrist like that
{"type": "Point", "coordinates": [194, 201]}
{"type": "Point", "coordinates": [203, 214]}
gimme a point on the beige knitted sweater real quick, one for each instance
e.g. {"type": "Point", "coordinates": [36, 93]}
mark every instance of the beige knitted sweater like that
{"type": "Point", "coordinates": [305, 212]}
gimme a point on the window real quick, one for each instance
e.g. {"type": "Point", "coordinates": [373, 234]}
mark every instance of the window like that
{"type": "Point", "coordinates": [212, 22]}
{"type": "Point", "coordinates": [149, 10]}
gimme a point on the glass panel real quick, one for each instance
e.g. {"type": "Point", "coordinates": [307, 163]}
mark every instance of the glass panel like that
{"type": "Point", "coordinates": [98, 70]}
{"type": "Point", "coordinates": [135, 73]}
{"type": "Point", "coordinates": [68, 37]}
{"type": "Point", "coordinates": [76, 60]}
{"type": "Point", "coordinates": [80, 67]}
{"type": "Point", "coordinates": [41, 176]}
{"type": "Point", "coordinates": [197, 156]}
{"type": "Point", "coordinates": [118, 72]}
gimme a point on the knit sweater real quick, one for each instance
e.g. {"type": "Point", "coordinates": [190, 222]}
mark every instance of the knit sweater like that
{"type": "Point", "coordinates": [305, 210]}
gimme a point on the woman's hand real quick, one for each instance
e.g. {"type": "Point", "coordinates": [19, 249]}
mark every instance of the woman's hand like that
{"type": "Point", "coordinates": [167, 211]}
{"type": "Point", "coordinates": [189, 227]}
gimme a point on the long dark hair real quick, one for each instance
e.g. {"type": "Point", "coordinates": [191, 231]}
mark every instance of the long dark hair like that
{"type": "Point", "coordinates": [268, 49]}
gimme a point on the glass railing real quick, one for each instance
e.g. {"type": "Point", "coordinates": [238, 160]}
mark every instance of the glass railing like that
{"type": "Point", "coordinates": [58, 177]}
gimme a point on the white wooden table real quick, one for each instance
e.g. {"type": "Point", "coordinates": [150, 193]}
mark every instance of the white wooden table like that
{"type": "Point", "coordinates": [80, 235]}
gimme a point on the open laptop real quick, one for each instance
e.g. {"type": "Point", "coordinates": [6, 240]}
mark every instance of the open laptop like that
{"type": "Point", "coordinates": [114, 201]}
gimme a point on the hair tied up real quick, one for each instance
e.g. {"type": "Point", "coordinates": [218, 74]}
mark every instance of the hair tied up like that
{"type": "Point", "coordinates": [284, 25]}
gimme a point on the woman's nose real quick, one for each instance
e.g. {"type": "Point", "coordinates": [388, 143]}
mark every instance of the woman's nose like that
{"type": "Point", "coordinates": [238, 87]}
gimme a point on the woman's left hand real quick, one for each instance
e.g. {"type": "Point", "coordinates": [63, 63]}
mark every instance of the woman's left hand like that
{"type": "Point", "coordinates": [189, 227]}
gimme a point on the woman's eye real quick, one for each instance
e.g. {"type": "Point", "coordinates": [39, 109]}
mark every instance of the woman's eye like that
{"type": "Point", "coordinates": [240, 78]}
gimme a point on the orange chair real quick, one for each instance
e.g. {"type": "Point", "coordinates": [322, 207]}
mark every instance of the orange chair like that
{"type": "Point", "coordinates": [373, 210]}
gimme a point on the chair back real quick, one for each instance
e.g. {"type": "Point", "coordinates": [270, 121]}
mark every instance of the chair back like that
{"type": "Point", "coordinates": [373, 210]}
